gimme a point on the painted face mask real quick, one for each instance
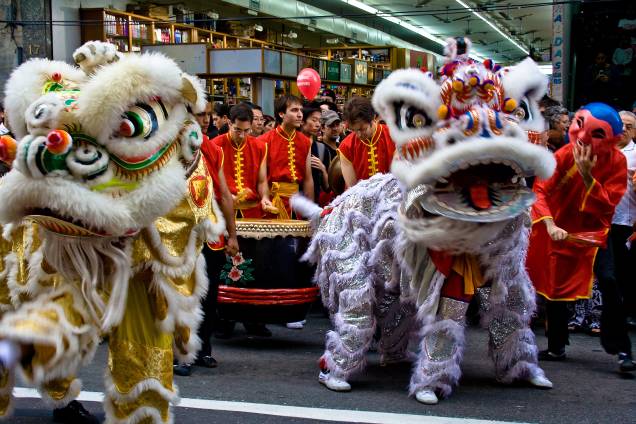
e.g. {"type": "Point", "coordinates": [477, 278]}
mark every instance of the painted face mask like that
{"type": "Point", "coordinates": [598, 125]}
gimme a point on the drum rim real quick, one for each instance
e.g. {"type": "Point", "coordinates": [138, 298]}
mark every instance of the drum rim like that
{"type": "Point", "coordinates": [269, 228]}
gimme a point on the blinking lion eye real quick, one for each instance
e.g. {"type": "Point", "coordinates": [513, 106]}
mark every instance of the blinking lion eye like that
{"type": "Point", "coordinates": [419, 120]}
{"type": "Point", "coordinates": [523, 112]}
{"type": "Point", "coordinates": [142, 120]}
{"type": "Point", "coordinates": [410, 117]}
{"type": "Point", "coordinates": [519, 113]}
{"type": "Point", "coordinates": [416, 118]}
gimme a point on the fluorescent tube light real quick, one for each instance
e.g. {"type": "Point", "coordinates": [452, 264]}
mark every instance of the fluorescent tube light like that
{"type": "Point", "coordinates": [395, 20]}
{"type": "Point", "coordinates": [493, 26]}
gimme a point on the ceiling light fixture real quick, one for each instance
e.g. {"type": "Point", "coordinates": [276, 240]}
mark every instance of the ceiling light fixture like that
{"type": "Point", "coordinates": [493, 26]}
{"type": "Point", "coordinates": [252, 12]}
{"type": "Point", "coordinates": [397, 21]}
{"type": "Point", "coordinates": [258, 28]}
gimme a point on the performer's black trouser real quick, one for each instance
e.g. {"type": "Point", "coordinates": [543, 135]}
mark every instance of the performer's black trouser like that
{"type": "Point", "coordinates": [614, 332]}
{"type": "Point", "coordinates": [624, 260]}
{"type": "Point", "coordinates": [557, 314]}
{"type": "Point", "coordinates": [214, 260]}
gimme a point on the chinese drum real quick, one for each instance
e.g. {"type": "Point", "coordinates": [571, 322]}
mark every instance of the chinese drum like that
{"type": "Point", "coordinates": [267, 282]}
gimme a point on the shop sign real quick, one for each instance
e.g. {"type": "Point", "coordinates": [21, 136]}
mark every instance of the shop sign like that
{"type": "Point", "coordinates": [360, 72]}
{"type": "Point", "coordinates": [322, 69]}
{"type": "Point", "coordinates": [557, 51]}
{"type": "Point", "coordinates": [418, 59]}
{"type": "Point", "coordinates": [333, 71]}
{"type": "Point", "coordinates": [345, 72]}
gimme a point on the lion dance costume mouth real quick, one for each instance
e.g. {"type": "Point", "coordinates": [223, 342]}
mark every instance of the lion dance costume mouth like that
{"type": "Point", "coordinates": [407, 251]}
{"type": "Point", "coordinates": [105, 211]}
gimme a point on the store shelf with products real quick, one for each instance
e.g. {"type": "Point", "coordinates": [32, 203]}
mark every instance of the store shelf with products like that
{"type": "Point", "coordinates": [229, 90]}
{"type": "Point", "coordinates": [377, 55]}
{"type": "Point", "coordinates": [227, 66]}
{"type": "Point", "coordinates": [234, 75]}
{"type": "Point", "coordinates": [129, 31]}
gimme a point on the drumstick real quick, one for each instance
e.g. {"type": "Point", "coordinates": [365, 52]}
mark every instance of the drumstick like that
{"type": "Point", "coordinates": [591, 238]}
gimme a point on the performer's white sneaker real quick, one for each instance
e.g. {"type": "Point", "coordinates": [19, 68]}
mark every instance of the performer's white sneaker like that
{"type": "Point", "coordinates": [540, 381]}
{"type": "Point", "coordinates": [426, 396]}
{"type": "Point", "coordinates": [333, 383]}
{"type": "Point", "coordinates": [297, 325]}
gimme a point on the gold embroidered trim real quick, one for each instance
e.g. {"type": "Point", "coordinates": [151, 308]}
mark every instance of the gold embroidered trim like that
{"type": "Point", "coordinates": [372, 155]}
{"type": "Point", "coordinates": [291, 152]}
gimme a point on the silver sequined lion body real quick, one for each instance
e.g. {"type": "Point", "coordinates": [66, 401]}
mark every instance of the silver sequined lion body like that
{"type": "Point", "coordinates": [456, 191]}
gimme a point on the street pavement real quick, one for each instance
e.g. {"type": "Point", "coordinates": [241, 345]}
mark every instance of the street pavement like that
{"type": "Point", "coordinates": [261, 380]}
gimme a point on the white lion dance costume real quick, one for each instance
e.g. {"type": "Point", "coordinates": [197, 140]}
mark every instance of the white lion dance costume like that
{"type": "Point", "coordinates": [104, 213]}
{"type": "Point", "coordinates": [408, 250]}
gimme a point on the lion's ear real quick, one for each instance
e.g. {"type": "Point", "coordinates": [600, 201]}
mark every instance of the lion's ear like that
{"type": "Point", "coordinates": [193, 93]}
{"type": "Point", "coordinates": [188, 91]}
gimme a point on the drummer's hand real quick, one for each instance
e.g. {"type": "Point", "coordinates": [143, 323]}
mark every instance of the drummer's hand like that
{"type": "Point", "coordinates": [316, 163]}
{"type": "Point", "coordinates": [232, 246]}
{"type": "Point", "coordinates": [266, 204]}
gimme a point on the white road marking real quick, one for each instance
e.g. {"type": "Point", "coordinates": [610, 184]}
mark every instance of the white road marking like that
{"type": "Point", "coordinates": [340, 415]}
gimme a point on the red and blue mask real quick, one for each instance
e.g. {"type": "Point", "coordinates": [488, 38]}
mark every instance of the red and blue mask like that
{"type": "Point", "coordinates": [598, 125]}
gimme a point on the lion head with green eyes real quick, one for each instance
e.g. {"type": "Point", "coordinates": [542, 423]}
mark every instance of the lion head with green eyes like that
{"type": "Point", "coordinates": [103, 149]}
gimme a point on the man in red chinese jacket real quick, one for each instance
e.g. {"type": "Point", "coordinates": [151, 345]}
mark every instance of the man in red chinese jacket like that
{"type": "Point", "coordinates": [289, 156]}
{"type": "Point", "coordinates": [368, 150]}
{"type": "Point", "coordinates": [245, 165]}
{"type": "Point", "coordinates": [571, 218]}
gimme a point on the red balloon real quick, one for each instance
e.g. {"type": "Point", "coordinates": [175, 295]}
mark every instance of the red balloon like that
{"type": "Point", "coordinates": [308, 82]}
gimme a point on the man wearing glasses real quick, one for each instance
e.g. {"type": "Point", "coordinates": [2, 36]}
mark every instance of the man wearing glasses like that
{"type": "Point", "coordinates": [245, 164]}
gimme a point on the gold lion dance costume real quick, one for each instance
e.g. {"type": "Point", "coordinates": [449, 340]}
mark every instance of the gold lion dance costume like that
{"type": "Point", "coordinates": [104, 212]}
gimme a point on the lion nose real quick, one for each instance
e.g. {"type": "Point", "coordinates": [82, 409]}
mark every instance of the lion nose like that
{"type": "Point", "coordinates": [58, 142]}
{"type": "Point", "coordinates": [39, 156]}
